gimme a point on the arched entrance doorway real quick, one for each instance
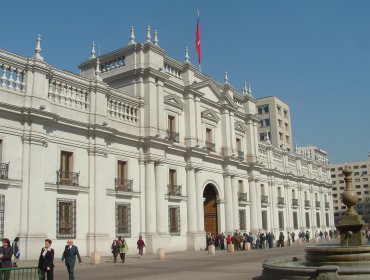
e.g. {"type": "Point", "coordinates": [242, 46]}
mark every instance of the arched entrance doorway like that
{"type": "Point", "coordinates": [210, 209]}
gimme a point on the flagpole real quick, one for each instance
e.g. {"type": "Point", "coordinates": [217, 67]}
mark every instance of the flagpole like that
{"type": "Point", "coordinates": [197, 42]}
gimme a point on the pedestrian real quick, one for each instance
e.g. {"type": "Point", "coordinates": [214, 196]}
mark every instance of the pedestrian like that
{"type": "Point", "coordinates": [140, 245]}
{"type": "Point", "coordinates": [281, 239]}
{"type": "Point", "coordinates": [123, 248]}
{"type": "Point", "coordinates": [46, 261]}
{"type": "Point", "coordinates": [6, 253]}
{"type": "Point", "coordinates": [115, 249]}
{"type": "Point", "coordinates": [222, 241]}
{"type": "Point", "coordinates": [16, 251]}
{"type": "Point", "coordinates": [69, 257]}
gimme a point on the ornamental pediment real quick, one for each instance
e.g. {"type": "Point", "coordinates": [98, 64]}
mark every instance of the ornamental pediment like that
{"type": "Point", "coordinates": [239, 126]}
{"type": "Point", "coordinates": [208, 89]}
{"type": "Point", "coordinates": [210, 115]}
{"type": "Point", "coordinates": [174, 101]}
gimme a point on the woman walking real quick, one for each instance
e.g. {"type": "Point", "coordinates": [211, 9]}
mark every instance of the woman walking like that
{"type": "Point", "coordinates": [6, 253]}
{"type": "Point", "coordinates": [115, 249]}
{"type": "Point", "coordinates": [123, 249]}
{"type": "Point", "coordinates": [46, 261]}
{"type": "Point", "coordinates": [140, 245]}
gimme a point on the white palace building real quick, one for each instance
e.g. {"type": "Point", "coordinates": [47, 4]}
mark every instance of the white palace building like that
{"type": "Point", "coordinates": [141, 144]}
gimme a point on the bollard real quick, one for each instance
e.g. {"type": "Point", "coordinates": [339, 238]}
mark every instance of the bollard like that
{"type": "Point", "coordinates": [95, 258]}
{"type": "Point", "coordinates": [160, 253]}
{"type": "Point", "coordinates": [211, 249]}
{"type": "Point", "coordinates": [247, 246]}
{"type": "Point", "coordinates": [230, 248]}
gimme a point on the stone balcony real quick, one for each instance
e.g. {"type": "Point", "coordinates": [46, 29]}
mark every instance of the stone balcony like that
{"type": "Point", "coordinates": [4, 170]}
{"type": "Point", "coordinates": [68, 178]}
{"type": "Point", "coordinates": [124, 185]}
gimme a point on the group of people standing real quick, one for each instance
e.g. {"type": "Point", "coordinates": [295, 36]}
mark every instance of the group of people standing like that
{"type": "Point", "coordinates": [120, 247]}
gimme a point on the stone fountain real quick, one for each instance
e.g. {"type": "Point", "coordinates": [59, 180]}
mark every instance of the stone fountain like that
{"type": "Point", "coordinates": [348, 260]}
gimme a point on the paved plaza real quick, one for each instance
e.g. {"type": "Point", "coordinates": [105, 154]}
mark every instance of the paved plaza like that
{"type": "Point", "coordinates": [180, 265]}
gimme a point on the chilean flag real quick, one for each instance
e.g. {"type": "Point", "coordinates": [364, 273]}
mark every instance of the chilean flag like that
{"type": "Point", "coordinates": [197, 40]}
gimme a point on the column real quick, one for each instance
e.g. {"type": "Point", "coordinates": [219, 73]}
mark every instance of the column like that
{"type": "Point", "coordinates": [142, 194]}
{"type": "Point", "coordinates": [253, 207]}
{"type": "Point", "coordinates": [160, 190]}
{"type": "Point", "coordinates": [191, 203]}
{"type": "Point", "coordinates": [288, 208]}
{"type": "Point", "coordinates": [258, 201]}
{"type": "Point", "coordinates": [228, 205]}
{"type": "Point", "coordinates": [150, 209]}
{"type": "Point", "coordinates": [275, 210]}
{"type": "Point", "coordinates": [199, 200]}
{"type": "Point", "coordinates": [235, 191]}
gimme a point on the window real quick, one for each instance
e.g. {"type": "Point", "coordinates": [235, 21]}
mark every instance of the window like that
{"type": "Point", "coordinates": [364, 173]}
{"type": "Point", "coordinates": [1, 151]}
{"type": "Point", "coordinates": [364, 179]}
{"type": "Point", "coordinates": [281, 220]}
{"type": "Point", "coordinates": [264, 219]}
{"type": "Point", "coordinates": [358, 187]}
{"type": "Point", "coordinates": [123, 219]}
{"type": "Point", "coordinates": [66, 168]}
{"type": "Point", "coordinates": [327, 219]}
{"type": "Point", "coordinates": [363, 166]}
{"type": "Point", "coordinates": [241, 188]}
{"type": "Point", "coordinates": [280, 136]}
{"type": "Point", "coordinates": [295, 220]}
{"type": "Point", "coordinates": [209, 135]}
{"type": "Point", "coordinates": [173, 188]}
{"type": "Point", "coordinates": [122, 181]}
{"type": "Point", "coordinates": [174, 220]}
{"type": "Point", "coordinates": [263, 136]}
{"type": "Point", "coordinates": [264, 122]}
{"type": "Point", "coordinates": [287, 139]}
{"type": "Point", "coordinates": [238, 144]}
{"type": "Point", "coordinates": [66, 218]}
{"type": "Point", "coordinates": [308, 220]}
{"type": "Point", "coordinates": [341, 181]}
{"type": "Point", "coordinates": [333, 169]}
{"type": "Point", "coordinates": [340, 168]}
{"type": "Point", "coordinates": [366, 185]}
{"type": "Point", "coordinates": [318, 219]}
{"type": "Point", "coordinates": [356, 173]}
{"type": "Point", "coordinates": [2, 215]}
{"type": "Point", "coordinates": [263, 109]}
{"type": "Point", "coordinates": [357, 180]}
{"type": "Point", "coordinates": [171, 124]}
{"type": "Point", "coordinates": [242, 220]}
{"type": "Point", "coordinates": [355, 167]}
{"type": "Point", "coordinates": [286, 126]}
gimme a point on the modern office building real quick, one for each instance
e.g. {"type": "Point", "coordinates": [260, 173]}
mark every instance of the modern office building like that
{"type": "Point", "coordinates": [275, 122]}
{"type": "Point", "coordinates": [313, 153]}
{"type": "Point", "coordinates": [139, 143]}
{"type": "Point", "coordinates": [360, 182]}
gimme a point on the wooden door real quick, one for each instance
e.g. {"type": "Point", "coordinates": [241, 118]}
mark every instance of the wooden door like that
{"type": "Point", "coordinates": [210, 210]}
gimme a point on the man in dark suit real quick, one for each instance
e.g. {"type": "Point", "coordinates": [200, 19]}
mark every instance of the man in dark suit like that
{"type": "Point", "coordinates": [69, 257]}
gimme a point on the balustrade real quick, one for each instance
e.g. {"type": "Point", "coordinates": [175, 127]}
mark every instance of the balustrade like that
{"type": "Point", "coordinates": [264, 199]}
{"type": "Point", "coordinates": [327, 205]}
{"type": "Point", "coordinates": [307, 203]}
{"type": "Point", "coordinates": [172, 70]}
{"type": "Point", "coordinates": [174, 190]}
{"type": "Point", "coordinates": [242, 196]}
{"type": "Point", "coordinates": [4, 169]}
{"type": "Point", "coordinates": [12, 78]}
{"type": "Point", "coordinates": [280, 200]}
{"type": "Point", "coordinates": [240, 154]}
{"type": "Point", "coordinates": [210, 146]}
{"type": "Point", "coordinates": [123, 111]}
{"type": "Point", "coordinates": [123, 184]}
{"type": "Point", "coordinates": [68, 95]}
{"type": "Point", "coordinates": [68, 178]}
{"type": "Point", "coordinates": [318, 204]}
{"type": "Point", "coordinates": [295, 202]}
{"type": "Point", "coordinates": [112, 64]}
{"type": "Point", "coordinates": [172, 136]}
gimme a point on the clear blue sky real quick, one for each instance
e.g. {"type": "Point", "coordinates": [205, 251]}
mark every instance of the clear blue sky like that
{"type": "Point", "coordinates": [314, 54]}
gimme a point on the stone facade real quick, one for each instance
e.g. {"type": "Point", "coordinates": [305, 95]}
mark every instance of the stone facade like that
{"type": "Point", "coordinates": [128, 146]}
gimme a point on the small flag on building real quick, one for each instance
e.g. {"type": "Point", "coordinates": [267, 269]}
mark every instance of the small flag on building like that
{"type": "Point", "coordinates": [197, 41]}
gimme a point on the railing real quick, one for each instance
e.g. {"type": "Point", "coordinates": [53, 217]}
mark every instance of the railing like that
{"type": "Point", "coordinates": [172, 70]}
{"type": "Point", "coordinates": [240, 154]}
{"type": "Point", "coordinates": [174, 189]}
{"type": "Point", "coordinates": [68, 95]}
{"type": "Point", "coordinates": [112, 64]}
{"type": "Point", "coordinates": [12, 78]}
{"type": "Point", "coordinates": [295, 202]}
{"type": "Point", "coordinates": [4, 169]}
{"type": "Point", "coordinates": [327, 205]}
{"type": "Point", "coordinates": [21, 273]}
{"type": "Point", "coordinates": [172, 136]}
{"type": "Point", "coordinates": [210, 146]}
{"type": "Point", "coordinates": [317, 204]}
{"type": "Point", "coordinates": [123, 184]}
{"type": "Point", "coordinates": [121, 110]}
{"type": "Point", "coordinates": [264, 199]}
{"type": "Point", "coordinates": [280, 200]}
{"type": "Point", "coordinates": [242, 196]}
{"type": "Point", "coordinates": [307, 203]}
{"type": "Point", "coordinates": [68, 178]}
